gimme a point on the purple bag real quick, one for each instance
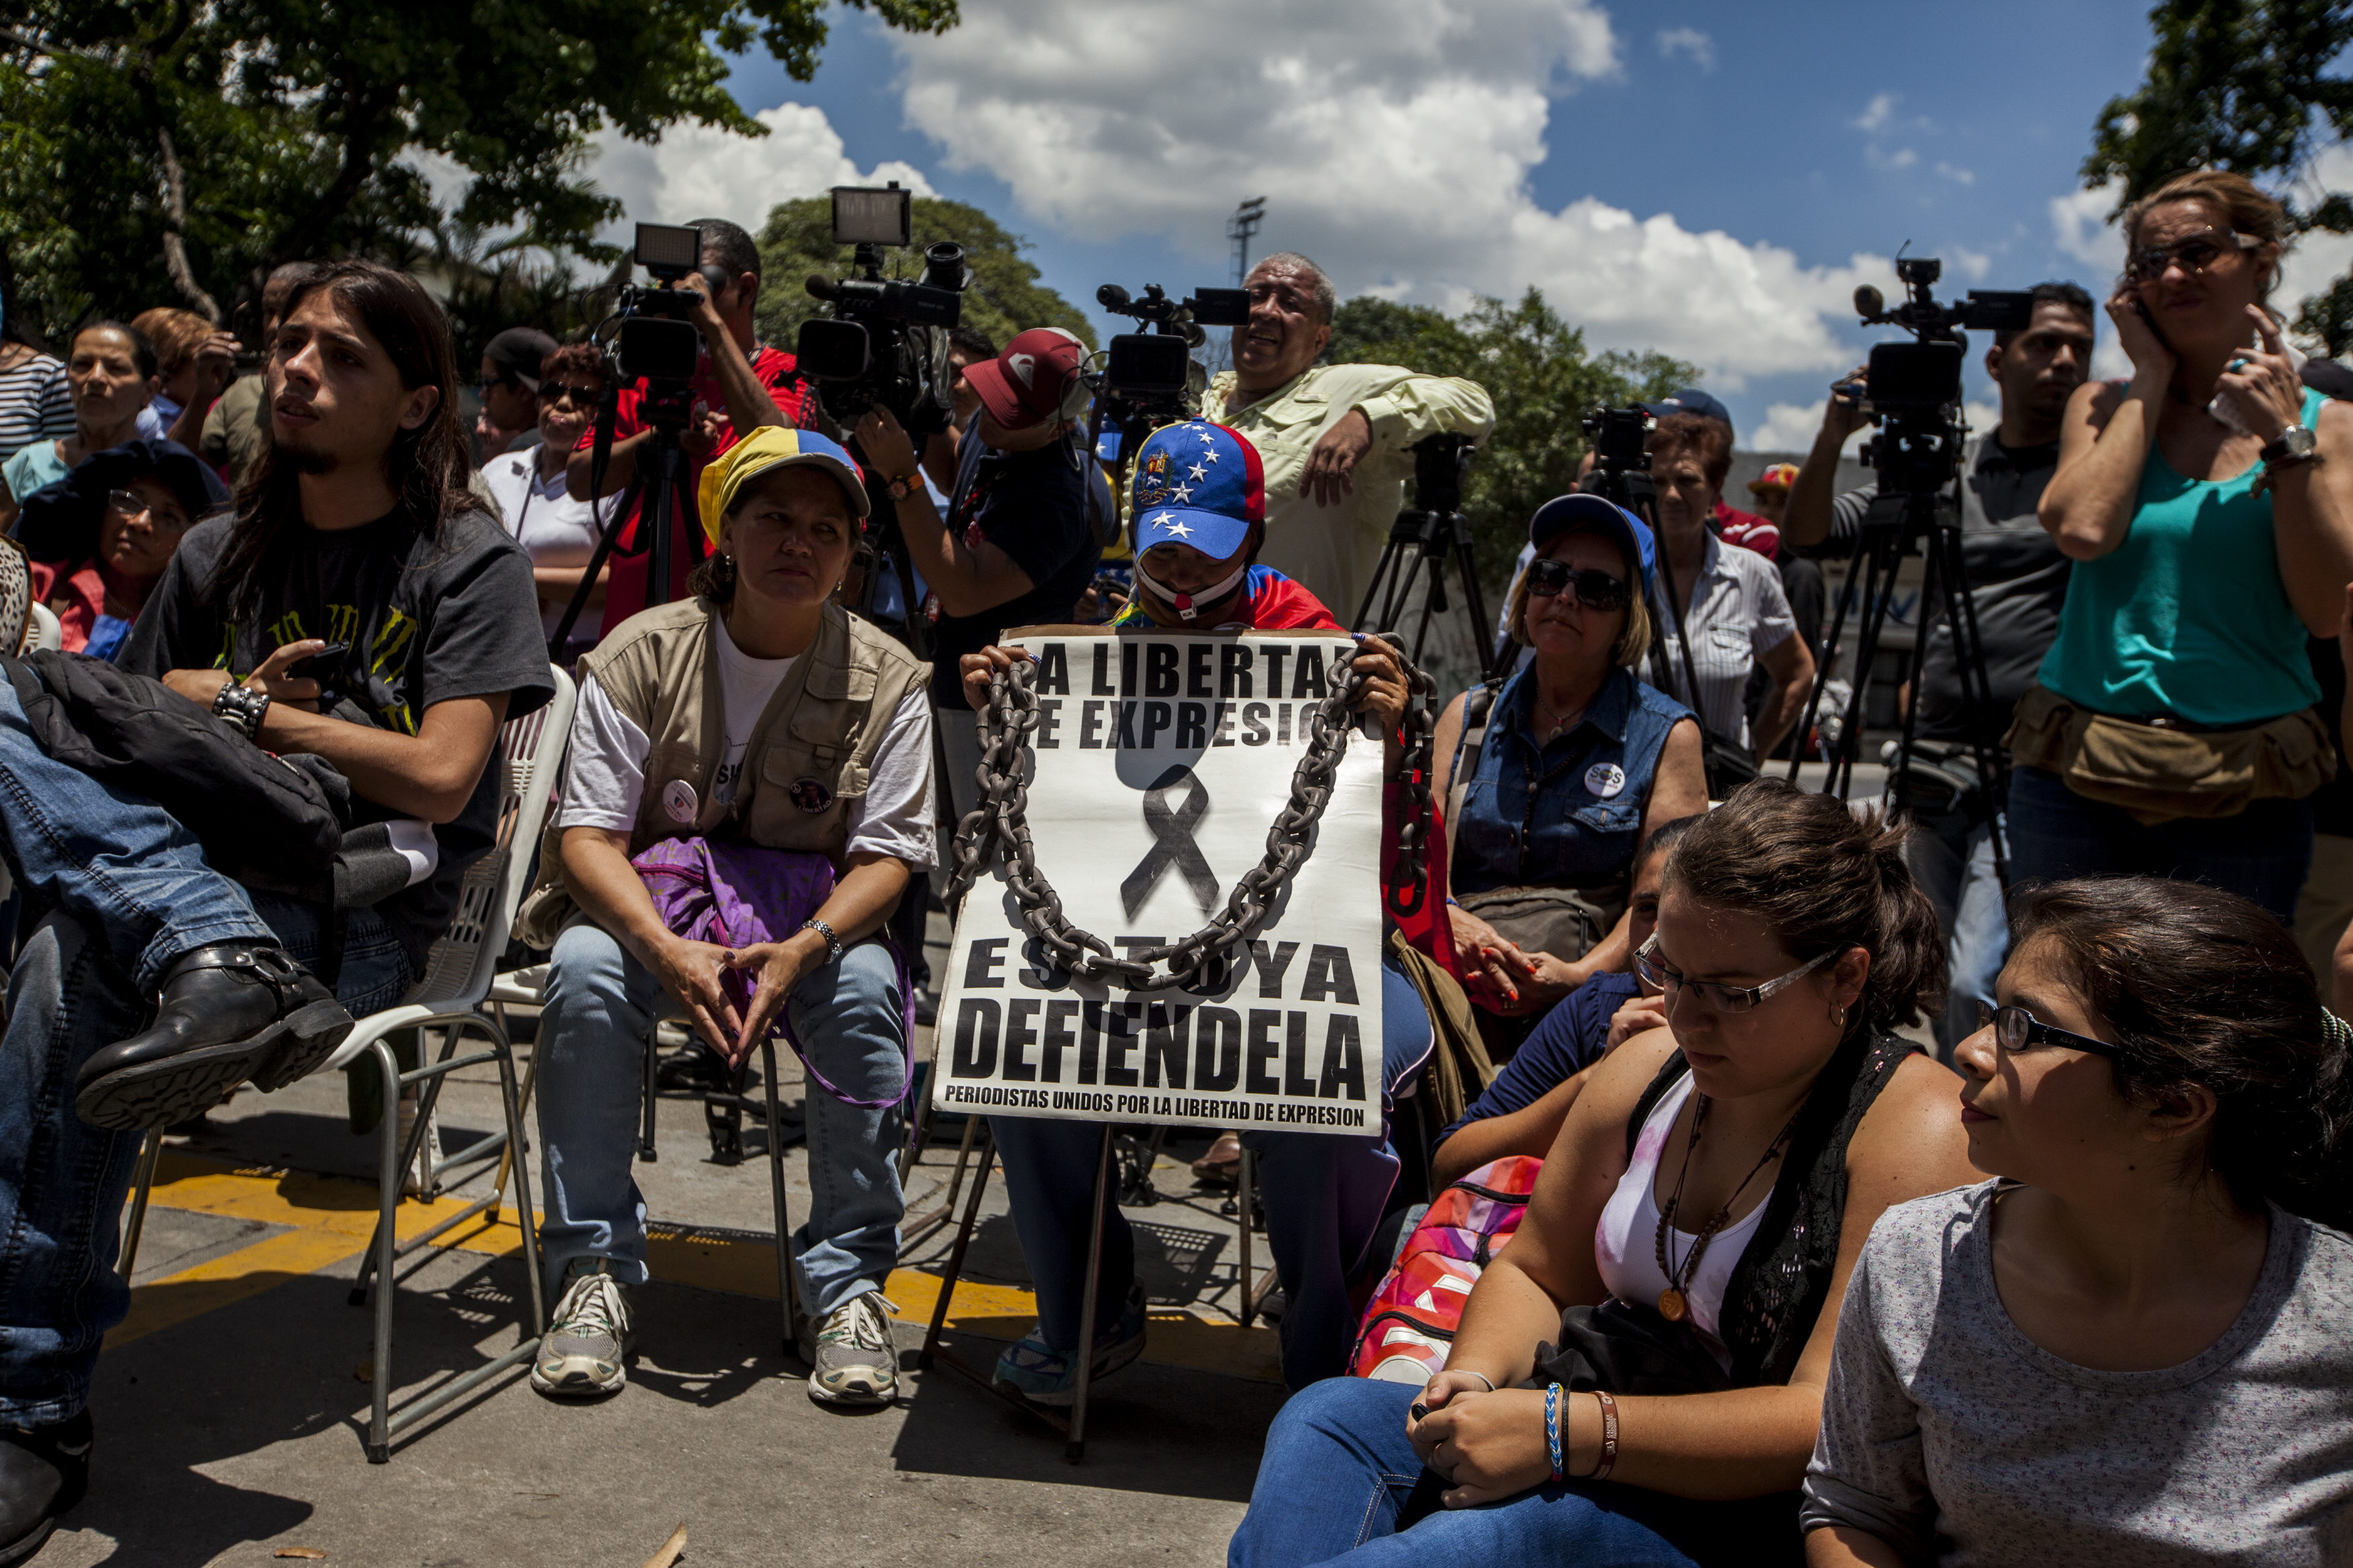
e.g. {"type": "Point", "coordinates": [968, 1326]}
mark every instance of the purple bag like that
{"type": "Point", "coordinates": [738, 895]}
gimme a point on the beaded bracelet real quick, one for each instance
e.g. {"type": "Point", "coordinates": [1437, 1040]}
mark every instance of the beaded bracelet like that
{"type": "Point", "coordinates": [1552, 1427]}
{"type": "Point", "coordinates": [1602, 1466]}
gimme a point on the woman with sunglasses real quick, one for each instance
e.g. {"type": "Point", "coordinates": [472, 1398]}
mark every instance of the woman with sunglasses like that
{"type": "Point", "coordinates": [1637, 1376]}
{"type": "Point", "coordinates": [1558, 785]}
{"type": "Point", "coordinates": [97, 539]}
{"type": "Point", "coordinates": [560, 533]}
{"type": "Point", "coordinates": [2208, 505]}
{"type": "Point", "coordinates": [2129, 1346]}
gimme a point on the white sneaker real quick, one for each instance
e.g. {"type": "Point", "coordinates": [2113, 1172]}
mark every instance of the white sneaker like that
{"type": "Point", "coordinates": [851, 1356]}
{"type": "Point", "coordinates": [582, 1354]}
{"type": "Point", "coordinates": [414, 1181]}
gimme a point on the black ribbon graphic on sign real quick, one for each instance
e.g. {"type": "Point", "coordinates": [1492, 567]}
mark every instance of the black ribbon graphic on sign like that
{"type": "Point", "coordinates": [1172, 833]}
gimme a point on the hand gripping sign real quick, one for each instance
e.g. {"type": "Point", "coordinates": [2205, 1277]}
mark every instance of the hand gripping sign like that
{"type": "Point", "coordinates": [1164, 780]}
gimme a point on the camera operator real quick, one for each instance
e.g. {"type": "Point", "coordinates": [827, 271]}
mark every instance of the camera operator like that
{"type": "Point", "coordinates": [2017, 578]}
{"type": "Point", "coordinates": [1020, 539]}
{"type": "Point", "coordinates": [1336, 439]}
{"type": "Point", "coordinates": [967, 346]}
{"type": "Point", "coordinates": [740, 384]}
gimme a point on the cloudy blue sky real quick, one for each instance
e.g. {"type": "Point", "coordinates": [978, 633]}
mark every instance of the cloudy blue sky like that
{"type": "Point", "coordinates": [1709, 179]}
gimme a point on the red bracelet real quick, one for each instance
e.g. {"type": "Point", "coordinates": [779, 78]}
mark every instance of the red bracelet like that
{"type": "Point", "coordinates": [1602, 1466]}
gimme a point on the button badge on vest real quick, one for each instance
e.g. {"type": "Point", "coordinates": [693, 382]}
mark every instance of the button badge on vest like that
{"type": "Point", "coordinates": [1604, 780]}
{"type": "Point", "coordinates": [810, 794]}
{"type": "Point", "coordinates": [679, 801]}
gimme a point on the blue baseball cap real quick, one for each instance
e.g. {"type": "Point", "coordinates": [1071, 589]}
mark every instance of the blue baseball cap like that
{"type": "Point", "coordinates": [1690, 400]}
{"type": "Point", "coordinates": [1199, 484]}
{"type": "Point", "coordinates": [1561, 513]}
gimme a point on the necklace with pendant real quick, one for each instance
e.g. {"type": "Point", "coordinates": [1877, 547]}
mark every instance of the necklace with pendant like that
{"type": "Point", "coordinates": [1674, 1301]}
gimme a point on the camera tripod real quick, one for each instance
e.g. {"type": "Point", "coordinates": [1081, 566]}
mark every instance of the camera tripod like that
{"type": "Point", "coordinates": [661, 483]}
{"type": "Point", "coordinates": [1420, 540]}
{"type": "Point", "coordinates": [1881, 545]}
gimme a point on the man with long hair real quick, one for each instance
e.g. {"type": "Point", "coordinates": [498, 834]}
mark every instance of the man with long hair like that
{"type": "Point", "coordinates": [356, 555]}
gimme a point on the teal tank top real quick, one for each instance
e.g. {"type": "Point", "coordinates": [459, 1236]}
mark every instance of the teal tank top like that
{"type": "Point", "coordinates": [2187, 616]}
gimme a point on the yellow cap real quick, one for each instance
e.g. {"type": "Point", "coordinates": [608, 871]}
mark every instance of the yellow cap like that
{"type": "Point", "coordinates": [766, 447]}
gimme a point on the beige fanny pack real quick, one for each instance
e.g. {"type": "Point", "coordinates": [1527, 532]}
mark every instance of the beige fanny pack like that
{"type": "Point", "coordinates": [2162, 769]}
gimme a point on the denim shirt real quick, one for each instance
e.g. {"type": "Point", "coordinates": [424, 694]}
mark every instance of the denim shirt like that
{"type": "Point", "coordinates": [1569, 815]}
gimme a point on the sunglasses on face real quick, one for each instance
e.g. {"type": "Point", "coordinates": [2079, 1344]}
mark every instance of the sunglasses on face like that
{"type": "Point", "coordinates": [1595, 590]}
{"type": "Point", "coordinates": [2015, 1029]}
{"type": "Point", "coordinates": [582, 396]}
{"type": "Point", "coordinates": [2193, 255]}
{"type": "Point", "coordinates": [1713, 994]}
{"type": "Point", "coordinates": [129, 505]}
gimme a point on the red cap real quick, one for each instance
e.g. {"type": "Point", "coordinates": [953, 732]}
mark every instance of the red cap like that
{"type": "Point", "coordinates": [1029, 382]}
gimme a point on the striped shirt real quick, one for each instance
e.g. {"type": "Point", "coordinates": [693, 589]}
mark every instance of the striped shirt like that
{"type": "Point", "coordinates": [1738, 612]}
{"type": "Point", "coordinates": [35, 405]}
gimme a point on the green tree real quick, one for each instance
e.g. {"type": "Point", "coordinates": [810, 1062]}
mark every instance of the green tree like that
{"type": "Point", "coordinates": [157, 150]}
{"type": "Point", "coordinates": [1004, 297]}
{"type": "Point", "coordinates": [2243, 85]}
{"type": "Point", "coordinates": [1543, 380]}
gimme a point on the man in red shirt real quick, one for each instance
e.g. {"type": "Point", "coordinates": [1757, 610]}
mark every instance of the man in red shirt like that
{"type": "Point", "coordinates": [739, 383]}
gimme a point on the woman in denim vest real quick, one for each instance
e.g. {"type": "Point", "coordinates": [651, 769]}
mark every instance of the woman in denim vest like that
{"type": "Point", "coordinates": [1578, 762]}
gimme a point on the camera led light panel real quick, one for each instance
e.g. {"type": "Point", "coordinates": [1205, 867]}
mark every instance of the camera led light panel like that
{"type": "Point", "coordinates": [865, 215]}
{"type": "Point", "coordinates": [668, 247]}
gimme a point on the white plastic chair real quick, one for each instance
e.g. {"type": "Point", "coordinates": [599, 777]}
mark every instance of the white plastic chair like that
{"type": "Point", "coordinates": [46, 632]}
{"type": "Point", "coordinates": [459, 971]}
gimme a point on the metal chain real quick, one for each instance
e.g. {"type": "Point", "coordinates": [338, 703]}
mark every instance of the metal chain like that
{"type": "Point", "coordinates": [999, 823]}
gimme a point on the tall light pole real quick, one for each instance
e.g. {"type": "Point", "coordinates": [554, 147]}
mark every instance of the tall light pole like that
{"type": "Point", "coordinates": [1239, 227]}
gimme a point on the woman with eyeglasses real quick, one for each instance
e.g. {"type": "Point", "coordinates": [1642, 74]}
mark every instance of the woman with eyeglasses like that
{"type": "Point", "coordinates": [1638, 1375]}
{"type": "Point", "coordinates": [2208, 505]}
{"type": "Point", "coordinates": [560, 533]}
{"type": "Point", "coordinates": [2130, 1345]}
{"type": "Point", "coordinates": [97, 539]}
{"type": "Point", "coordinates": [1553, 790]}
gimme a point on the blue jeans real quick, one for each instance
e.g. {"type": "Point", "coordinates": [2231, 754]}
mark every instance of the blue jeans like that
{"type": "Point", "coordinates": [129, 893]}
{"type": "Point", "coordinates": [1952, 859]}
{"type": "Point", "coordinates": [592, 1043]}
{"type": "Point", "coordinates": [1325, 1196]}
{"type": "Point", "coordinates": [1337, 1473]}
{"type": "Point", "coordinates": [2261, 854]}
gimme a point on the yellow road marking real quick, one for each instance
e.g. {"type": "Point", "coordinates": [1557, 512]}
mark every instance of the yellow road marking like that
{"type": "Point", "coordinates": [332, 1217]}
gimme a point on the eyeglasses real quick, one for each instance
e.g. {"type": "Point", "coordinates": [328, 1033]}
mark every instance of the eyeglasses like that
{"type": "Point", "coordinates": [2015, 1029]}
{"type": "Point", "coordinates": [129, 505]}
{"type": "Point", "coordinates": [1595, 590]}
{"type": "Point", "coordinates": [1713, 994]}
{"type": "Point", "coordinates": [556, 391]}
{"type": "Point", "coordinates": [2193, 255]}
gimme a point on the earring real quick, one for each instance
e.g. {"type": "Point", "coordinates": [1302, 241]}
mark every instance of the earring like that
{"type": "Point", "coordinates": [725, 570]}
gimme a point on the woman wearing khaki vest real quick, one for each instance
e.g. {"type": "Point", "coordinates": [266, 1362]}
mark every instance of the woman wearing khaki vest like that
{"type": "Point", "coordinates": [758, 716]}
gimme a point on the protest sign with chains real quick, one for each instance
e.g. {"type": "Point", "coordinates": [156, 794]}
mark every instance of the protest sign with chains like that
{"type": "Point", "coordinates": [1126, 779]}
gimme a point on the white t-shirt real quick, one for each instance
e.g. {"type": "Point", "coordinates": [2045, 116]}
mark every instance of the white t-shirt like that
{"type": "Point", "coordinates": [553, 528]}
{"type": "Point", "coordinates": [1737, 614]}
{"type": "Point", "coordinates": [606, 776]}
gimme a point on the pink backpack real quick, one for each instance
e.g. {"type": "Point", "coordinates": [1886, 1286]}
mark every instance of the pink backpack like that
{"type": "Point", "coordinates": [1410, 1323]}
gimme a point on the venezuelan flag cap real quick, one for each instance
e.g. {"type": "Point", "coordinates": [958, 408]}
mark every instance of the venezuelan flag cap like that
{"type": "Point", "coordinates": [1198, 484]}
{"type": "Point", "coordinates": [765, 450]}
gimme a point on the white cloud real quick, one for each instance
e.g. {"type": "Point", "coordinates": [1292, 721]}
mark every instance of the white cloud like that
{"type": "Point", "coordinates": [1957, 175]}
{"type": "Point", "coordinates": [2081, 228]}
{"type": "Point", "coordinates": [1982, 417]}
{"type": "Point", "coordinates": [1393, 139]}
{"type": "Point", "coordinates": [1877, 113]}
{"type": "Point", "coordinates": [1791, 427]}
{"type": "Point", "coordinates": [1902, 158]}
{"type": "Point", "coordinates": [698, 170]}
{"type": "Point", "coordinates": [1974, 264]}
{"type": "Point", "coordinates": [1691, 41]}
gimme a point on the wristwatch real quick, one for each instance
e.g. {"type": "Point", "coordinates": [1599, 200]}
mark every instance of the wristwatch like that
{"type": "Point", "coordinates": [905, 485]}
{"type": "Point", "coordinates": [242, 706]}
{"type": "Point", "coordinates": [2294, 444]}
{"type": "Point", "coordinates": [832, 942]}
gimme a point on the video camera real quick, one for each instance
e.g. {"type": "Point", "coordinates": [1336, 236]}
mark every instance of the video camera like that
{"type": "Point", "coordinates": [1915, 389]}
{"type": "Point", "coordinates": [1620, 438]}
{"type": "Point", "coordinates": [1150, 377]}
{"type": "Point", "coordinates": [656, 340]}
{"type": "Point", "coordinates": [887, 340]}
